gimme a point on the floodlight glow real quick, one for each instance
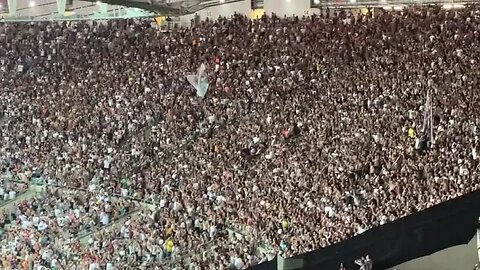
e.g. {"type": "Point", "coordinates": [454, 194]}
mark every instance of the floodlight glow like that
{"type": "Point", "coordinates": [98, 3]}
{"type": "Point", "coordinates": [353, 1]}
{"type": "Point", "coordinates": [453, 6]}
{"type": "Point", "coordinates": [316, 2]}
{"type": "Point", "coordinates": [31, 4]}
{"type": "Point", "coordinates": [1, 6]}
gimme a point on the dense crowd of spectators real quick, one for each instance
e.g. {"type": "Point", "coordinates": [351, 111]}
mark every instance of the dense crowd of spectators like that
{"type": "Point", "coordinates": [305, 138]}
{"type": "Point", "coordinates": [49, 224]}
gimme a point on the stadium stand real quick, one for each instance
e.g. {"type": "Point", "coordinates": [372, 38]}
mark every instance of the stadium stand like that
{"type": "Point", "coordinates": [312, 132]}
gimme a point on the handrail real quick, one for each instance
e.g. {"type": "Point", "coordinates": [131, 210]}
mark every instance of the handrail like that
{"type": "Point", "coordinates": [11, 200]}
{"type": "Point", "coordinates": [98, 228]}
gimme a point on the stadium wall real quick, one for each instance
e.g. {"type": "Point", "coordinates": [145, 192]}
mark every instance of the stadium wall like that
{"type": "Point", "coordinates": [289, 7]}
{"type": "Point", "coordinates": [445, 225]}
{"type": "Point", "coordinates": [242, 7]}
{"type": "Point", "coordinates": [46, 9]}
{"type": "Point", "coordinates": [279, 7]}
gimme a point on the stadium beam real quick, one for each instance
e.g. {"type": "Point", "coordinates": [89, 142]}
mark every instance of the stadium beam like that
{"type": "Point", "coordinates": [61, 7]}
{"type": "Point", "coordinates": [103, 8]}
{"type": "Point", "coordinates": [12, 7]}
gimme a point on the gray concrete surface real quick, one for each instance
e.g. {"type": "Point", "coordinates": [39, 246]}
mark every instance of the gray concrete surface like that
{"type": "Point", "coordinates": [462, 257]}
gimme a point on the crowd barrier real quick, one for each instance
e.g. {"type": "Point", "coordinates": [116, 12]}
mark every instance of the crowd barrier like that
{"type": "Point", "coordinates": [447, 224]}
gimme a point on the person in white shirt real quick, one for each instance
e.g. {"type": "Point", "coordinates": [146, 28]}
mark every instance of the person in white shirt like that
{"type": "Point", "coordinates": [12, 194]}
{"type": "Point", "coordinates": [212, 231]}
{"type": "Point", "coordinates": [26, 224]}
{"type": "Point", "coordinates": [106, 162]}
{"type": "Point", "coordinates": [94, 266]}
{"type": "Point", "coordinates": [54, 263]}
{"type": "Point", "coordinates": [126, 233]}
{"type": "Point", "coordinates": [104, 219]}
{"type": "Point", "coordinates": [237, 262]}
{"type": "Point", "coordinates": [109, 266]}
{"type": "Point", "coordinates": [329, 211]}
{"type": "Point", "coordinates": [42, 226]}
{"type": "Point", "coordinates": [47, 255]}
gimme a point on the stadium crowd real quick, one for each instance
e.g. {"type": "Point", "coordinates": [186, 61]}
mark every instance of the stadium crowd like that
{"type": "Point", "coordinates": [308, 134]}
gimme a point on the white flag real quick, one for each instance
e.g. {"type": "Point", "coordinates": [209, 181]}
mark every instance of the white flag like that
{"type": "Point", "coordinates": [426, 113]}
{"type": "Point", "coordinates": [199, 81]}
{"type": "Point", "coordinates": [427, 118]}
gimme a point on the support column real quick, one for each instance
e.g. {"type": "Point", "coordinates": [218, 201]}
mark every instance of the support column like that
{"type": "Point", "coordinates": [61, 7]}
{"type": "Point", "coordinates": [12, 7]}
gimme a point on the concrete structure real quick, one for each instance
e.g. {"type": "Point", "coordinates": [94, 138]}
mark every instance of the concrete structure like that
{"type": "Point", "coordinates": [462, 257]}
{"type": "Point", "coordinates": [289, 7]}
{"type": "Point", "coordinates": [242, 7]}
{"type": "Point", "coordinates": [49, 9]}
{"type": "Point", "coordinates": [91, 9]}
